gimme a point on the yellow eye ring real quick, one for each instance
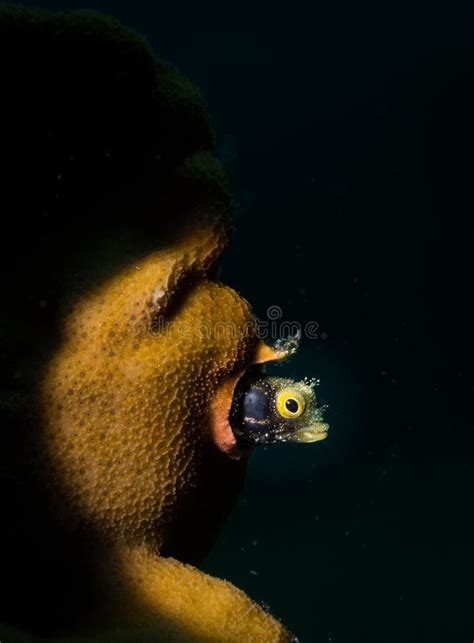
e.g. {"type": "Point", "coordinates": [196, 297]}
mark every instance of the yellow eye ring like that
{"type": "Point", "coordinates": [290, 403]}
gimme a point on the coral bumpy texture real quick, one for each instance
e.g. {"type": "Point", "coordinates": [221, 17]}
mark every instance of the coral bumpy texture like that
{"type": "Point", "coordinates": [119, 464]}
{"type": "Point", "coordinates": [126, 404]}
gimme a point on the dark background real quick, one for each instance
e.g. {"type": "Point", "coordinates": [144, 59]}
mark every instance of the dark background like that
{"type": "Point", "coordinates": [347, 132]}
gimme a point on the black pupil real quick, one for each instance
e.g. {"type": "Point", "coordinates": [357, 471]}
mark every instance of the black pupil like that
{"type": "Point", "coordinates": [291, 405]}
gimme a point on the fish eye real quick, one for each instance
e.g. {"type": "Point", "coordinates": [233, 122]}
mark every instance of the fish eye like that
{"type": "Point", "coordinates": [290, 403]}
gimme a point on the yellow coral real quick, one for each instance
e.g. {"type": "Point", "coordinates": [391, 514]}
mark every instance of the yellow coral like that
{"type": "Point", "coordinates": [134, 446]}
{"type": "Point", "coordinates": [118, 464]}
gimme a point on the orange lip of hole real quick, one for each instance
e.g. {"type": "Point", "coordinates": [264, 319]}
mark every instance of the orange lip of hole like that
{"type": "Point", "coordinates": [221, 431]}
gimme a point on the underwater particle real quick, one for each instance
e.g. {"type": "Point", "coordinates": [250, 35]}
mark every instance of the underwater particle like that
{"type": "Point", "coordinates": [288, 345]}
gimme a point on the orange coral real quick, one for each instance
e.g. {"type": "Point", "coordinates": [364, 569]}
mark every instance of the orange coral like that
{"type": "Point", "coordinates": [117, 458]}
{"type": "Point", "coordinates": [136, 439]}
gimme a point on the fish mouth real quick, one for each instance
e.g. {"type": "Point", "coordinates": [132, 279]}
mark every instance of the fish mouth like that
{"type": "Point", "coordinates": [313, 433]}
